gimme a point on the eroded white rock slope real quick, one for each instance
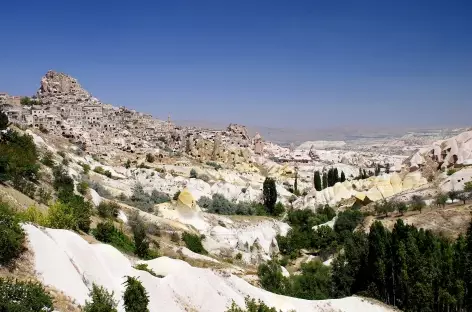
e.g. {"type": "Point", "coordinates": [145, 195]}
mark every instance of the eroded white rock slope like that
{"type": "Point", "coordinates": [66, 261]}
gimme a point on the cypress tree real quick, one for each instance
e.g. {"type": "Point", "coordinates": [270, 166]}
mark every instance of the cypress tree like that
{"type": "Point", "coordinates": [3, 120]}
{"type": "Point", "coordinates": [269, 193]}
{"type": "Point", "coordinates": [325, 180]}
{"type": "Point", "coordinates": [135, 298]}
{"type": "Point", "coordinates": [295, 184]}
{"type": "Point", "coordinates": [335, 176]}
{"type": "Point", "coordinates": [317, 181]}
{"type": "Point", "coordinates": [343, 177]}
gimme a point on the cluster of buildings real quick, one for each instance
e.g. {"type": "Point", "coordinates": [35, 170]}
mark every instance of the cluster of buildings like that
{"type": "Point", "coordinates": [62, 107]}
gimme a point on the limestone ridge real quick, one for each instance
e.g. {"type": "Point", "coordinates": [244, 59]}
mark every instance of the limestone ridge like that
{"type": "Point", "coordinates": [70, 111]}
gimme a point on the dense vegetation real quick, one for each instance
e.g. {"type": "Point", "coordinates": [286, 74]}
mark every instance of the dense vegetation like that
{"type": "Point", "coordinates": [221, 205]}
{"type": "Point", "coordinates": [12, 236]}
{"type": "Point", "coordinates": [18, 296]}
{"type": "Point", "coordinates": [407, 267]}
{"type": "Point", "coordinates": [323, 240]}
{"type": "Point", "coordinates": [143, 200]}
{"type": "Point", "coordinates": [194, 243]}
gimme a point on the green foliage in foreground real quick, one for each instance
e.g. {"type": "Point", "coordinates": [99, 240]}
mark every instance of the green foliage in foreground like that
{"type": "Point", "coordinates": [135, 298]}
{"type": "Point", "coordinates": [144, 267]}
{"type": "Point", "coordinates": [102, 301]}
{"type": "Point", "coordinates": [17, 296]}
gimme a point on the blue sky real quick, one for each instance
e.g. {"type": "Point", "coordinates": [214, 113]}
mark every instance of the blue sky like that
{"type": "Point", "coordinates": [298, 64]}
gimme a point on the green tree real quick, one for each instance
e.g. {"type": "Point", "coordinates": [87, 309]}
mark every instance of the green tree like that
{"type": "Point", "coordinates": [314, 282]}
{"type": "Point", "coordinates": [453, 194]}
{"type": "Point", "coordinates": [468, 186]}
{"type": "Point", "coordinates": [271, 277]}
{"type": "Point", "coordinates": [193, 173]}
{"type": "Point", "coordinates": [279, 209]}
{"type": "Point", "coordinates": [135, 298]}
{"type": "Point", "coordinates": [417, 203]}
{"type": "Point", "coordinates": [150, 158]}
{"type": "Point", "coordinates": [140, 239]}
{"type": "Point", "coordinates": [463, 196]}
{"type": "Point", "coordinates": [387, 168]}
{"type": "Point", "coordinates": [102, 301]}
{"type": "Point", "coordinates": [343, 177]}
{"type": "Point", "coordinates": [378, 259]}
{"type": "Point", "coordinates": [269, 194]}
{"type": "Point", "coordinates": [335, 176]}
{"type": "Point", "coordinates": [317, 181]}
{"type": "Point", "coordinates": [401, 207]}
{"type": "Point", "coordinates": [251, 306]}
{"type": "Point", "coordinates": [325, 180]}
{"type": "Point", "coordinates": [441, 199]}
{"type": "Point", "coordinates": [4, 123]}
{"type": "Point", "coordinates": [194, 243]}
{"type": "Point", "coordinates": [295, 184]}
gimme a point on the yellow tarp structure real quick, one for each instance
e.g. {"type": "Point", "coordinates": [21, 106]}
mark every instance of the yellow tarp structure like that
{"type": "Point", "coordinates": [186, 198]}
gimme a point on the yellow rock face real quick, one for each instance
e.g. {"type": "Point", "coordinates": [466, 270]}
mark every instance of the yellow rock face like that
{"type": "Point", "coordinates": [396, 182]}
{"type": "Point", "coordinates": [412, 180]}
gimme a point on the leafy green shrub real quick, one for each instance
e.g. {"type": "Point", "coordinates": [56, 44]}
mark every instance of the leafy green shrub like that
{"type": "Point", "coordinates": [34, 215]}
{"type": "Point", "coordinates": [144, 267]}
{"type": "Point", "coordinates": [18, 296]}
{"type": "Point", "coordinates": [61, 216]}
{"type": "Point", "coordinates": [44, 196]}
{"type": "Point", "coordinates": [107, 233]}
{"type": "Point", "coordinates": [221, 205]}
{"type": "Point", "coordinates": [239, 256]}
{"type": "Point", "coordinates": [194, 243]}
{"type": "Point", "coordinates": [193, 174]}
{"type": "Point", "coordinates": [102, 301]}
{"type": "Point", "coordinates": [214, 165]}
{"type": "Point", "coordinates": [18, 157]}
{"type": "Point", "coordinates": [63, 183]}
{"type": "Point", "coordinates": [99, 170]}
{"type": "Point", "coordinates": [107, 173]}
{"type": "Point", "coordinates": [12, 236]}
{"type": "Point", "coordinates": [278, 209]}
{"type": "Point", "coordinates": [135, 298]}
{"type": "Point", "coordinates": [82, 187]}
{"type": "Point", "coordinates": [108, 209]}
{"type": "Point", "coordinates": [61, 153]}
{"type": "Point", "coordinates": [48, 159]}
{"type": "Point", "coordinates": [251, 306]}
{"type": "Point", "coordinates": [417, 203]}
{"type": "Point", "coordinates": [451, 171]}
{"type": "Point", "coordinates": [86, 168]}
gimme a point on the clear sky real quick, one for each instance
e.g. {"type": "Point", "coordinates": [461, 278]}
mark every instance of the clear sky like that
{"type": "Point", "coordinates": [298, 64]}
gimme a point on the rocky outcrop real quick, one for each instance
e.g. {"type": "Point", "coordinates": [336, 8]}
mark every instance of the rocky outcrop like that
{"type": "Point", "coordinates": [455, 151]}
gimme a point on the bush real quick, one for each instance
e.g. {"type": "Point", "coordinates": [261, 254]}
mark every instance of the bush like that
{"type": "Point", "coordinates": [140, 240]}
{"type": "Point", "coordinates": [135, 298]}
{"type": "Point", "coordinates": [279, 209]}
{"type": "Point", "coordinates": [82, 187]}
{"type": "Point", "coordinates": [103, 192]}
{"type": "Point", "coordinates": [12, 236]}
{"type": "Point", "coordinates": [62, 181]}
{"type": "Point", "coordinates": [18, 157]}
{"type": "Point", "coordinates": [239, 256]}
{"type": "Point", "coordinates": [150, 158]}
{"type": "Point", "coordinates": [34, 215]}
{"type": "Point", "coordinates": [251, 306]}
{"type": "Point", "coordinates": [193, 174]}
{"type": "Point", "coordinates": [18, 296]}
{"type": "Point", "coordinates": [194, 243]}
{"type": "Point", "coordinates": [86, 168]}
{"type": "Point", "coordinates": [158, 197]}
{"type": "Point", "coordinates": [417, 203]}
{"type": "Point", "coordinates": [108, 209]}
{"type": "Point", "coordinates": [204, 177]}
{"type": "Point", "coordinates": [107, 173]}
{"type": "Point", "coordinates": [451, 171]}
{"type": "Point", "coordinates": [48, 159]}
{"type": "Point", "coordinates": [107, 233]}
{"type": "Point", "coordinates": [61, 153]}
{"type": "Point", "coordinates": [214, 165]}
{"type": "Point", "coordinates": [102, 301]}
{"type": "Point", "coordinates": [144, 267]}
{"type": "Point", "coordinates": [99, 170]}
{"type": "Point", "coordinates": [61, 216]}
{"type": "Point", "coordinates": [44, 196]}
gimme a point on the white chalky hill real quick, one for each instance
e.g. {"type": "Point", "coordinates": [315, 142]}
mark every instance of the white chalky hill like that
{"type": "Point", "coordinates": [66, 261]}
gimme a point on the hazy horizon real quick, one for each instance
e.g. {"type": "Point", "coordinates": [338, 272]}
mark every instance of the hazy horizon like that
{"type": "Point", "coordinates": [305, 65]}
